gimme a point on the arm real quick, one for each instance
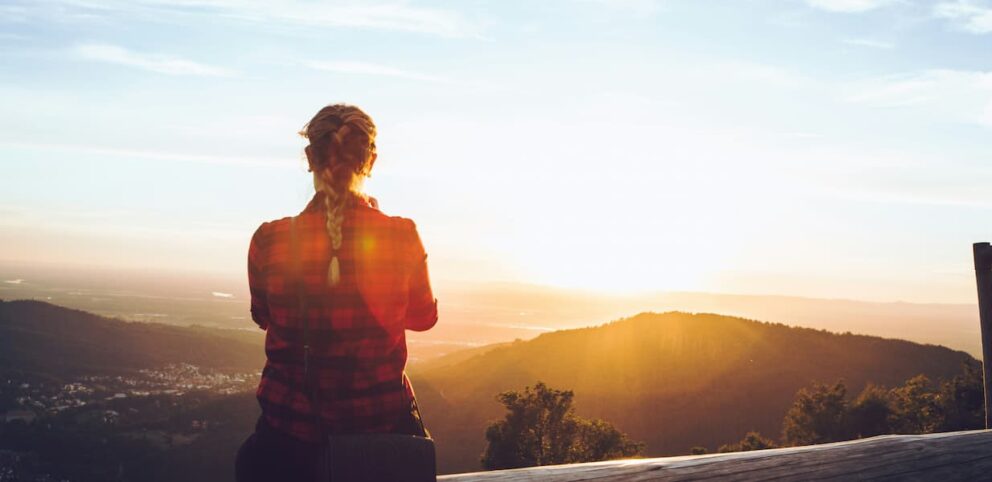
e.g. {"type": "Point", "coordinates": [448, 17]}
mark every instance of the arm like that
{"type": "Point", "coordinates": [256, 281]}
{"type": "Point", "coordinates": [421, 312]}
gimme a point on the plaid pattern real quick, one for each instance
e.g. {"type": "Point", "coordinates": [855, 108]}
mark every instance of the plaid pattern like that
{"type": "Point", "coordinates": [356, 329]}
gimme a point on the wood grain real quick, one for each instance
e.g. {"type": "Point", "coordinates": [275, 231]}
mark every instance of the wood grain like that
{"type": "Point", "coordinates": [944, 457]}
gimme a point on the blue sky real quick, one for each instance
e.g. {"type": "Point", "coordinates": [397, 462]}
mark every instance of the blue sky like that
{"type": "Point", "coordinates": [833, 148]}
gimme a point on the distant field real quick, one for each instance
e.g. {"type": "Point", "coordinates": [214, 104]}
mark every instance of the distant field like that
{"type": "Point", "coordinates": [479, 314]}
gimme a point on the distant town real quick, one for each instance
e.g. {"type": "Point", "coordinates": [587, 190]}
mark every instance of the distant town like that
{"type": "Point", "coordinates": [140, 412]}
{"type": "Point", "coordinates": [35, 398]}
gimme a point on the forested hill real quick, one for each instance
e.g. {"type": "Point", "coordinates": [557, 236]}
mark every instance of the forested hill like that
{"type": "Point", "coordinates": [44, 338]}
{"type": "Point", "coordinates": [672, 380]}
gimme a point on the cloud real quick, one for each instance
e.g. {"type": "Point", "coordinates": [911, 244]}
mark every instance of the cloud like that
{"type": "Point", "coordinates": [848, 6]}
{"type": "Point", "coordinates": [389, 16]}
{"type": "Point", "coordinates": [218, 294]}
{"type": "Point", "coordinates": [968, 15]}
{"type": "Point", "coordinates": [14, 281]}
{"type": "Point", "coordinates": [13, 36]}
{"type": "Point", "coordinates": [642, 7]}
{"type": "Point", "coordinates": [14, 13]}
{"type": "Point", "coordinates": [162, 64]}
{"type": "Point", "coordinates": [954, 95]}
{"type": "Point", "coordinates": [760, 73]}
{"type": "Point", "coordinates": [277, 163]}
{"type": "Point", "coordinates": [914, 181]}
{"type": "Point", "coordinates": [365, 68]}
{"type": "Point", "coordinates": [397, 16]}
{"type": "Point", "coordinates": [865, 42]}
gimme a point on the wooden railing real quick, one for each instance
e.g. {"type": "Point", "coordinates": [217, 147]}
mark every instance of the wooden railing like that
{"type": "Point", "coordinates": [983, 277]}
{"type": "Point", "coordinates": [942, 457]}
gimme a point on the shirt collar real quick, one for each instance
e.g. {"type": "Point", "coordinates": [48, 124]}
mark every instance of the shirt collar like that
{"type": "Point", "coordinates": [317, 202]}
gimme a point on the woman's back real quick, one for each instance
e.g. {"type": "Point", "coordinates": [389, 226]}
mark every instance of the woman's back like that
{"type": "Point", "coordinates": [356, 329]}
{"type": "Point", "coordinates": [335, 288]}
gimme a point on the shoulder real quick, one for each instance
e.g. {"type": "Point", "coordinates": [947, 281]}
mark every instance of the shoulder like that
{"type": "Point", "coordinates": [402, 225]}
{"type": "Point", "coordinates": [266, 232]}
{"type": "Point", "coordinates": [405, 231]}
{"type": "Point", "coordinates": [398, 223]}
{"type": "Point", "coordinates": [398, 229]}
{"type": "Point", "coordinates": [260, 233]}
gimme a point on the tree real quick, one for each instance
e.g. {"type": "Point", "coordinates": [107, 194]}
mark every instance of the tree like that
{"type": "Point", "coordinates": [600, 440]}
{"type": "Point", "coordinates": [914, 407]}
{"type": "Point", "coordinates": [751, 441]}
{"type": "Point", "coordinates": [821, 414]}
{"type": "Point", "coordinates": [818, 415]}
{"type": "Point", "coordinates": [541, 428]}
{"type": "Point", "coordinates": [961, 400]}
{"type": "Point", "coordinates": [871, 413]}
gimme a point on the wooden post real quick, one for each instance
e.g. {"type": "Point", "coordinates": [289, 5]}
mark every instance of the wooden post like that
{"type": "Point", "coordinates": [983, 275]}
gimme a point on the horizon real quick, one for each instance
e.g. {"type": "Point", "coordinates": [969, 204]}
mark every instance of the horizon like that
{"type": "Point", "coordinates": [619, 148]}
{"type": "Point", "coordinates": [12, 273]}
{"type": "Point", "coordinates": [481, 313]}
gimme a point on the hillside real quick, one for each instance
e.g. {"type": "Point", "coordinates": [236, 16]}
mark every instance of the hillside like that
{"type": "Point", "coordinates": [52, 340]}
{"type": "Point", "coordinates": [481, 313]}
{"type": "Point", "coordinates": [673, 380]}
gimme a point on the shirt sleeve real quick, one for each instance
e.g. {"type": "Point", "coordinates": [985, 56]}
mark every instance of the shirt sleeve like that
{"type": "Point", "coordinates": [421, 313]}
{"type": "Point", "coordinates": [256, 281]}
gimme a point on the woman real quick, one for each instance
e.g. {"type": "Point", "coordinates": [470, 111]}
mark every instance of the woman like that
{"type": "Point", "coordinates": [334, 287]}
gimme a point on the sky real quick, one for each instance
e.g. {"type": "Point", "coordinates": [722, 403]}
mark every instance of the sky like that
{"type": "Point", "coordinates": [824, 148]}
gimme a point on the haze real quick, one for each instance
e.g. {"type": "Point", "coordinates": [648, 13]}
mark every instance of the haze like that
{"type": "Point", "coordinates": [616, 147]}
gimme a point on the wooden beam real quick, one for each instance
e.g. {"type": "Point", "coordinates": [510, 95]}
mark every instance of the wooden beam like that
{"type": "Point", "coordinates": [983, 277]}
{"type": "Point", "coordinates": [945, 457]}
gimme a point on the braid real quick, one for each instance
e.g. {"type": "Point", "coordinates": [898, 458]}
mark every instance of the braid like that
{"type": "Point", "coordinates": [340, 157]}
{"type": "Point", "coordinates": [335, 218]}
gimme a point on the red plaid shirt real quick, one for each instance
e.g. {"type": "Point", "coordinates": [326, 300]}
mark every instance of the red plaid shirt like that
{"type": "Point", "coordinates": [356, 329]}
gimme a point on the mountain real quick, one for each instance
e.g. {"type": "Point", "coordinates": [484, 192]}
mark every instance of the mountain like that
{"type": "Point", "coordinates": [520, 306]}
{"type": "Point", "coordinates": [118, 400]}
{"type": "Point", "coordinates": [44, 338]}
{"type": "Point", "coordinates": [673, 380]}
{"type": "Point", "coordinates": [474, 314]}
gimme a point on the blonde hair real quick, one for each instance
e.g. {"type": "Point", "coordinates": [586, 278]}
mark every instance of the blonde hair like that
{"type": "Point", "coordinates": [341, 153]}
